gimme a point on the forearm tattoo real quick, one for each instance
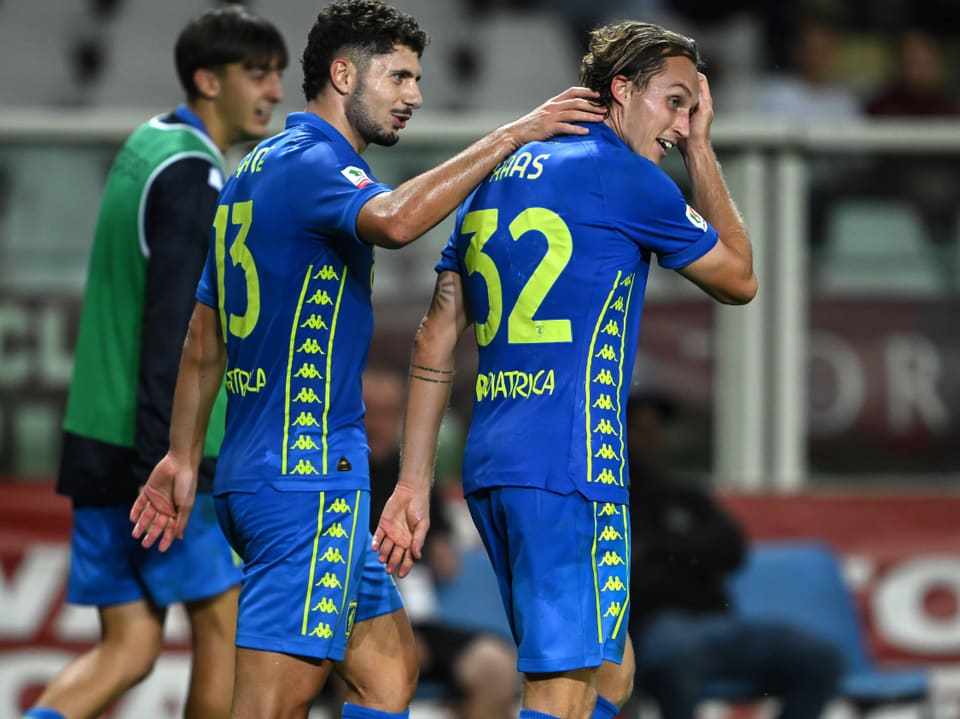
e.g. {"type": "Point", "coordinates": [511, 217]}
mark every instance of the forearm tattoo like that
{"type": "Point", "coordinates": [439, 376]}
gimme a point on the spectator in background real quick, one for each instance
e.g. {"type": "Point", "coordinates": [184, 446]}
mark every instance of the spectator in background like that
{"type": "Point", "coordinates": [919, 86]}
{"type": "Point", "coordinates": [807, 91]}
{"type": "Point", "coordinates": [685, 634]}
{"type": "Point", "coordinates": [149, 247]}
{"type": "Point", "coordinates": [919, 89]}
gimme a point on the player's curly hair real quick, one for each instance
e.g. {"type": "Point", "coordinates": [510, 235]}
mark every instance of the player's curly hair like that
{"type": "Point", "coordinates": [638, 50]}
{"type": "Point", "coordinates": [366, 28]}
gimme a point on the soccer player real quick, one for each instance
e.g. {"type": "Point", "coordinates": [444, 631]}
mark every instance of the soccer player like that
{"type": "Point", "coordinates": [150, 243]}
{"type": "Point", "coordinates": [284, 309]}
{"type": "Point", "coordinates": [549, 260]}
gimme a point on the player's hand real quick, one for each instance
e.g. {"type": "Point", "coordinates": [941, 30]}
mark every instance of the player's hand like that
{"type": "Point", "coordinates": [701, 119]}
{"type": "Point", "coordinates": [402, 529]}
{"type": "Point", "coordinates": [557, 115]}
{"type": "Point", "coordinates": [163, 507]}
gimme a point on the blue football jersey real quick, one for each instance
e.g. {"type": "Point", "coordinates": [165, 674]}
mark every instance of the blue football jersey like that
{"type": "Point", "coordinates": [292, 280]}
{"type": "Point", "coordinates": [554, 248]}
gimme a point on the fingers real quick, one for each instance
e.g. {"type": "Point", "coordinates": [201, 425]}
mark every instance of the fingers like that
{"type": "Point", "coordinates": [170, 533]}
{"type": "Point", "coordinates": [576, 110]}
{"type": "Point", "coordinates": [180, 525]}
{"type": "Point", "coordinates": [151, 526]}
{"type": "Point", "coordinates": [577, 92]}
{"type": "Point", "coordinates": [419, 537]}
{"type": "Point", "coordinates": [150, 522]}
{"type": "Point", "coordinates": [136, 512]}
{"type": "Point", "coordinates": [406, 564]}
{"type": "Point", "coordinates": [394, 558]}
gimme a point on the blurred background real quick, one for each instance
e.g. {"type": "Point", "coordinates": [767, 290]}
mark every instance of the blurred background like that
{"type": "Point", "coordinates": [828, 408]}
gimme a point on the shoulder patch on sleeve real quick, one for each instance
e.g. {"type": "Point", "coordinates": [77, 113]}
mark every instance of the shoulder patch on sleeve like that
{"type": "Point", "coordinates": [695, 219]}
{"type": "Point", "coordinates": [357, 176]}
{"type": "Point", "coordinates": [215, 179]}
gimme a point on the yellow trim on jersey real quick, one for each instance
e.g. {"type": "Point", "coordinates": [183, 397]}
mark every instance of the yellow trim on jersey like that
{"type": "Point", "coordinates": [286, 392]}
{"type": "Point", "coordinates": [329, 379]}
{"type": "Point", "coordinates": [313, 565]}
{"type": "Point", "coordinates": [589, 374]}
{"type": "Point", "coordinates": [626, 542]}
{"type": "Point", "coordinates": [596, 575]}
{"type": "Point", "coordinates": [353, 543]}
{"type": "Point", "coordinates": [623, 343]}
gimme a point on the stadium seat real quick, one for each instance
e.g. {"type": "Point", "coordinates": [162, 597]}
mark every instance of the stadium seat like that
{"type": "Point", "coordinates": [139, 70]}
{"type": "Point", "coordinates": [526, 58]}
{"type": "Point", "coordinates": [802, 583]}
{"type": "Point", "coordinates": [36, 40]}
{"type": "Point", "coordinates": [875, 247]}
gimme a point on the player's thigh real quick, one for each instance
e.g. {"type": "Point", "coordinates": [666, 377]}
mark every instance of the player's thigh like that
{"type": "Point", "coordinates": [380, 666]}
{"type": "Point", "coordinates": [213, 624]}
{"type": "Point", "coordinates": [615, 681]}
{"type": "Point", "coordinates": [199, 566]}
{"type": "Point", "coordinates": [132, 632]}
{"type": "Point", "coordinates": [562, 566]}
{"type": "Point", "coordinates": [305, 558]}
{"type": "Point", "coordinates": [275, 684]}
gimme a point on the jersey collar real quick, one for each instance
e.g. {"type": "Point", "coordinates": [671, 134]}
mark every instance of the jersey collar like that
{"type": "Point", "coordinates": [317, 122]}
{"type": "Point", "coordinates": [188, 116]}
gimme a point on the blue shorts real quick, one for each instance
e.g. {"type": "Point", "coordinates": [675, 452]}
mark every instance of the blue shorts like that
{"type": "Point", "coordinates": [309, 569]}
{"type": "Point", "coordinates": [108, 566]}
{"type": "Point", "coordinates": [563, 565]}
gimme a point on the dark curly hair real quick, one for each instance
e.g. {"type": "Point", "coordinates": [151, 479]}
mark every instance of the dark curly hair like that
{"type": "Point", "coordinates": [225, 35]}
{"type": "Point", "coordinates": [638, 50]}
{"type": "Point", "coordinates": [366, 27]}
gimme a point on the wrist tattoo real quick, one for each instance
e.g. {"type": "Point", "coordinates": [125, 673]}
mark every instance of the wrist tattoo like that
{"type": "Point", "coordinates": [430, 379]}
{"type": "Point", "coordinates": [431, 369]}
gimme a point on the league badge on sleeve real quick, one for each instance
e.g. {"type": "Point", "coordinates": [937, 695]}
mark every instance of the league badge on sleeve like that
{"type": "Point", "coordinates": [695, 219]}
{"type": "Point", "coordinates": [357, 176]}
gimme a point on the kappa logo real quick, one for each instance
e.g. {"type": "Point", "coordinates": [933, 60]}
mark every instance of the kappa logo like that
{"type": "Point", "coordinates": [695, 219]}
{"type": "Point", "coordinates": [357, 176]}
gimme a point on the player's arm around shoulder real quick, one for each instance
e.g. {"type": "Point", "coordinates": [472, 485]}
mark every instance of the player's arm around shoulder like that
{"type": "Point", "coordinates": [725, 272]}
{"type": "Point", "coordinates": [396, 218]}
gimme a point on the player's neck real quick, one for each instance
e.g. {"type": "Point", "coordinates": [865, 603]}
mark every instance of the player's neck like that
{"type": "Point", "coordinates": [211, 122]}
{"type": "Point", "coordinates": [331, 109]}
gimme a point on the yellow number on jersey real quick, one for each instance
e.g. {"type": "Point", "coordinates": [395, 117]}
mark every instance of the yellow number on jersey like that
{"type": "Point", "coordinates": [522, 328]}
{"type": "Point", "coordinates": [241, 214]}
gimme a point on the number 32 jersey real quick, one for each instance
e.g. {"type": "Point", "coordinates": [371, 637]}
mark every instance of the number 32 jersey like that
{"type": "Point", "coordinates": [291, 280]}
{"type": "Point", "coordinates": [554, 248]}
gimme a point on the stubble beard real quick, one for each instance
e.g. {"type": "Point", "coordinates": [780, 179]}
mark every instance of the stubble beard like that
{"type": "Point", "coordinates": [359, 117]}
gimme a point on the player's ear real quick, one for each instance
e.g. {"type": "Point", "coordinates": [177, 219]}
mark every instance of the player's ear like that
{"type": "Point", "coordinates": [207, 81]}
{"type": "Point", "coordinates": [342, 74]}
{"type": "Point", "coordinates": [621, 87]}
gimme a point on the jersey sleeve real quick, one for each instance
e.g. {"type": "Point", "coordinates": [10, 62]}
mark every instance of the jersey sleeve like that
{"type": "Point", "coordinates": [449, 257]}
{"type": "Point", "coordinates": [332, 191]}
{"type": "Point", "coordinates": [207, 286]}
{"type": "Point", "coordinates": [655, 214]}
{"type": "Point", "coordinates": [179, 207]}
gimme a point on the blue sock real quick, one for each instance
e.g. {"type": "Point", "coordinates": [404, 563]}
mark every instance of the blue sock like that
{"type": "Point", "coordinates": [355, 711]}
{"type": "Point", "coordinates": [41, 713]}
{"type": "Point", "coordinates": [604, 709]}
{"type": "Point", "coordinates": [531, 714]}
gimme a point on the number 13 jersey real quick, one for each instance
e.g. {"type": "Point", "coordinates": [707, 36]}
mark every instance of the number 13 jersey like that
{"type": "Point", "coordinates": [291, 280]}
